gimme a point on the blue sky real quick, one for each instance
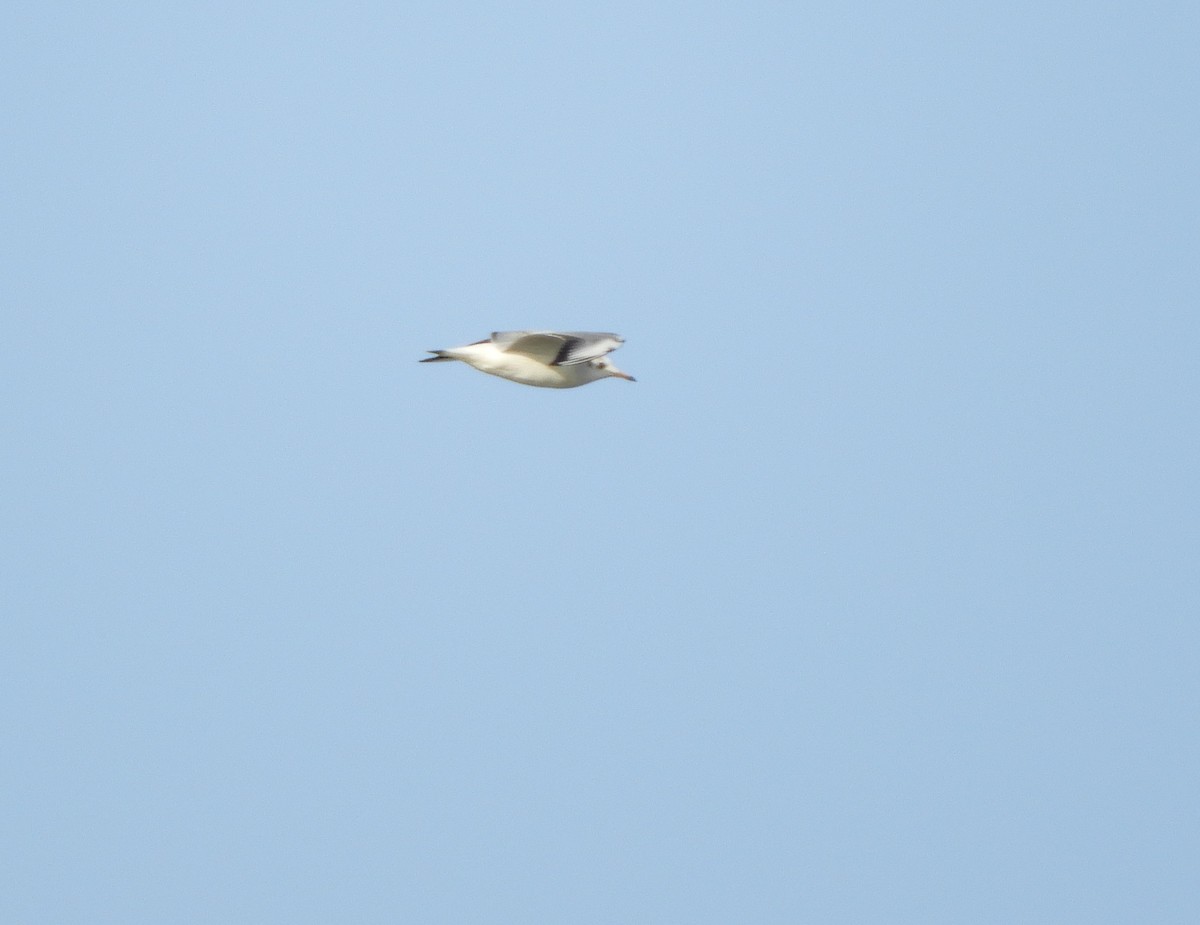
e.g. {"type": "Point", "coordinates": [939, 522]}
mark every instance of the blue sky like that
{"type": "Point", "coordinates": [873, 600]}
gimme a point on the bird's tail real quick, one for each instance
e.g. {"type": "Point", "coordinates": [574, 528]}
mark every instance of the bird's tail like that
{"type": "Point", "coordinates": [438, 355]}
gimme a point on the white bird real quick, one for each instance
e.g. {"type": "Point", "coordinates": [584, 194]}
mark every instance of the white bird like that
{"type": "Point", "coordinates": [551, 359]}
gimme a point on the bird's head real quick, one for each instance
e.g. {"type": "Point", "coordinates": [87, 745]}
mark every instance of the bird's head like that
{"type": "Point", "coordinates": [603, 367]}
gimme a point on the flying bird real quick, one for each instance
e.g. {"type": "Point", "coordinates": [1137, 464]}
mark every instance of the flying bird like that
{"type": "Point", "coordinates": [550, 359]}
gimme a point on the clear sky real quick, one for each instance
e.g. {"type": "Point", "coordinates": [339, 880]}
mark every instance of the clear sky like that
{"type": "Point", "coordinates": [873, 600]}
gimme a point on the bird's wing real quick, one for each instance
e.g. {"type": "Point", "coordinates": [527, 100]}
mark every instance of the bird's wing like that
{"type": "Point", "coordinates": [557, 348]}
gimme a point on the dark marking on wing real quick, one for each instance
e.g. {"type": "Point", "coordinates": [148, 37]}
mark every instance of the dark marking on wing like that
{"type": "Point", "coordinates": [564, 352]}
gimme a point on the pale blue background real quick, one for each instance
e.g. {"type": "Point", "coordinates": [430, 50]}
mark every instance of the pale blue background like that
{"type": "Point", "coordinates": [874, 600]}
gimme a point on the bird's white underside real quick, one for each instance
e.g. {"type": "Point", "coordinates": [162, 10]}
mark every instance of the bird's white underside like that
{"type": "Point", "coordinates": [518, 367]}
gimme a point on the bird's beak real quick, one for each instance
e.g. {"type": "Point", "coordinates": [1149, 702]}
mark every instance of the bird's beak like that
{"type": "Point", "coordinates": [624, 376]}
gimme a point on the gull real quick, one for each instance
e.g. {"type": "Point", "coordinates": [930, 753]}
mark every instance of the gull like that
{"type": "Point", "coordinates": [550, 359]}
